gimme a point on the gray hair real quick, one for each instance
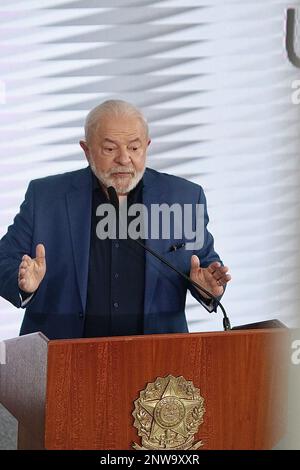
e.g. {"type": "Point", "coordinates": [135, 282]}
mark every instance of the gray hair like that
{"type": "Point", "coordinates": [116, 108]}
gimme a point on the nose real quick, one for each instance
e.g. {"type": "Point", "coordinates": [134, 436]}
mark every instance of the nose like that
{"type": "Point", "coordinates": [123, 157]}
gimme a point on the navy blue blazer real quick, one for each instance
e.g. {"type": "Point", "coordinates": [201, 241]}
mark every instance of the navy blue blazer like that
{"type": "Point", "coordinates": [57, 212]}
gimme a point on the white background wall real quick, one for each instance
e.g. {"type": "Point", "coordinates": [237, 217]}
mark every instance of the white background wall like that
{"type": "Point", "coordinates": [214, 80]}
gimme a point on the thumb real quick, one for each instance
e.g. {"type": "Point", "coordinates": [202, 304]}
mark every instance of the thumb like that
{"type": "Point", "coordinates": [195, 263]}
{"type": "Point", "coordinates": [40, 253]}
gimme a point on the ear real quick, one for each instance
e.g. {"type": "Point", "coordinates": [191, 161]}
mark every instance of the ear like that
{"type": "Point", "coordinates": [85, 148]}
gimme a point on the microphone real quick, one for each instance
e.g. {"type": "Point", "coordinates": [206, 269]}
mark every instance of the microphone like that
{"type": "Point", "coordinates": [114, 200]}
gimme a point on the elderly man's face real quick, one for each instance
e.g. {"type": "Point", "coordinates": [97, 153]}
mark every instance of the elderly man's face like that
{"type": "Point", "coordinates": [116, 152]}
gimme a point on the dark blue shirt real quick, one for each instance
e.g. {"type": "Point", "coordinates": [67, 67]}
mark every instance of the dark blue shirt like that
{"type": "Point", "coordinates": [116, 281]}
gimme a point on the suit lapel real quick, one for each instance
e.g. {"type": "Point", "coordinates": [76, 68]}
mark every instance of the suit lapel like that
{"type": "Point", "coordinates": [152, 194]}
{"type": "Point", "coordinates": [79, 204]}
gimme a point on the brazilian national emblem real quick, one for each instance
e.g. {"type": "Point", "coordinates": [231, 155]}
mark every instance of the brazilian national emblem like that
{"type": "Point", "coordinates": [168, 414]}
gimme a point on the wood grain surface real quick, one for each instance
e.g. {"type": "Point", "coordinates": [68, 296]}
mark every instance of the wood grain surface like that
{"type": "Point", "coordinates": [242, 376]}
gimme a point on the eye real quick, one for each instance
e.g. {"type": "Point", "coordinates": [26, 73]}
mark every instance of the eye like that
{"type": "Point", "coordinates": [134, 149]}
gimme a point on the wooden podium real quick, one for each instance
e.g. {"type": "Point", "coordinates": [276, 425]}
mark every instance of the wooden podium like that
{"type": "Point", "coordinates": [80, 394]}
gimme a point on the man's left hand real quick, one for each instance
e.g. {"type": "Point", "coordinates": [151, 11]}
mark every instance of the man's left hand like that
{"type": "Point", "coordinates": [213, 278]}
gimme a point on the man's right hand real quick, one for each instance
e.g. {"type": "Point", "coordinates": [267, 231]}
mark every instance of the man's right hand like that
{"type": "Point", "coordinates": [32, 270]}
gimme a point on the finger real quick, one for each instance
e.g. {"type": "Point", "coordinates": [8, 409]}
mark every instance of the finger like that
{"type": "Point", "coordinates": [40, 251]}
{"type": "Point", "coordinates": [221, 269]}
{"type": "Point", "coordinates": [216, 275]}
{"type": "Point", "coordinates": [40, 254]}
{"type": "Point", "coordinates": [219, 272]}
{"type": "Point", "coordinates": [24, 272]}
{"type": "Point", "coordinates": [213, 266]}
{"type": "Point", "coordinates": [223, 280]}
{"type": "Point", "coordinates": [26, 258]}
{"type": "Point", "coordinates": [22, 283]}
{"type": "Point", "coordinates": [23, 278]}
{"type": "Point", "coordinates": [195, 263]}
{"type": "Point", "coordinates": [25, 264]}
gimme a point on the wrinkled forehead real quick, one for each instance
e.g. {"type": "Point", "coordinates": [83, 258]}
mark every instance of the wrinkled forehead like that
{"type": "Point", "coordinates": [127, 128]}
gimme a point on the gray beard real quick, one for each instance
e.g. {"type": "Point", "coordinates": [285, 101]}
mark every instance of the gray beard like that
{"type": "Point", "coordinates": [107, 180]}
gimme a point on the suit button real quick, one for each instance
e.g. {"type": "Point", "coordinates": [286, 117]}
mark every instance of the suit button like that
{"type": "Point", "coordinates": [80, 315]}
{"type": "Point", "coordinates": [116, 304]}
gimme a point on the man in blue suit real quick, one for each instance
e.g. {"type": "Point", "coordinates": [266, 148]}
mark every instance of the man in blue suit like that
{"type": "Point", "coordinates": [74, 284]}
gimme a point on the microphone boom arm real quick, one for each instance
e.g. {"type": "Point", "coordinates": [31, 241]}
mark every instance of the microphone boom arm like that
{"type": "Point", "coordinates": [113, 197]}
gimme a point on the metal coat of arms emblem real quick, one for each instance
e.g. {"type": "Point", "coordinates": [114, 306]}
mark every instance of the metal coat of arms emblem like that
{"type": "Point", "coordinates": [168, 414]}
